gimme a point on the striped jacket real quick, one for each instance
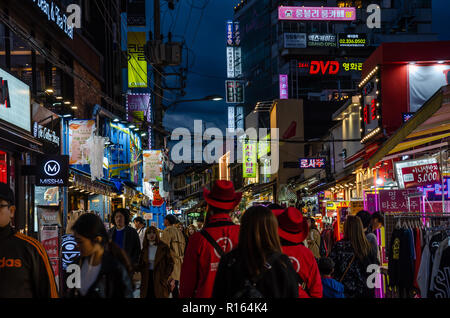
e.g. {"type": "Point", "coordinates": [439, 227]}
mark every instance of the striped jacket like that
{"type": "Point", "coordinates": [25, 269]}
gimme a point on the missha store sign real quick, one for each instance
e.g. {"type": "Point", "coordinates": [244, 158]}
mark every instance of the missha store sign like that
{"type": "Point", "coordinates": [15, 107]}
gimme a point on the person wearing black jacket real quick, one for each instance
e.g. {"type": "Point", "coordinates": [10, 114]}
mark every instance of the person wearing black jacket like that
{"type": "Point", "coordinates": [105, 269]}
{"type": "Point", "coordinates": [125, 236]}
{"type": "Point", "coordinates": [257, 261]}
{"type": "Point", "coordinates": [25, 270]}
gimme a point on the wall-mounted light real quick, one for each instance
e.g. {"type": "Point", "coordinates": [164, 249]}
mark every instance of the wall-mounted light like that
{"type": "Point", "coordinates": [59, 98]}
{"type": "Point", "coordinates": [116, 120]}
{"type": "Point", "coordinates": [379, 181]}
{"type": "Point", "coordinates": [440, 62]}
{"type": "Point", "coordinates": [132, 126]}
{"type": "Point", "coordinates": [67, 102]}
{"type": "Point", "coordinates": [74, 107]}
{"type": "Point", "coordinates": [49, 91]}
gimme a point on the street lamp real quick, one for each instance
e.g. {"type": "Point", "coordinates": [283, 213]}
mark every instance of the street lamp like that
{"type": "Point", "coordinates": [204, 99]}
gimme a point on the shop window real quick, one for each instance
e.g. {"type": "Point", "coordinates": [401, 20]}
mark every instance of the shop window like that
{"type": "Point", "coordinates": [21, 59]}
{"type": "Point", "coordinates": [3, 167]}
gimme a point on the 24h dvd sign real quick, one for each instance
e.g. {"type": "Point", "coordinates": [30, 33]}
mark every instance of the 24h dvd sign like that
{"type": "Point", "coordinates": [52, 171]}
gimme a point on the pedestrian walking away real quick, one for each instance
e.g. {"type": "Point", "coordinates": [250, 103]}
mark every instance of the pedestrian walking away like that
{"type": "Point", "coordinates": [25, 270]}
{"type": "Point", "coordinates": [106, 270]}
{"type": "Point", "coordinates": [293, 229]}
{"type": "Point", "coordinates": [352, 256]}
{"type": "Point", "coordinates": [257, 268]}
{"type": "Point", "coordinates": [205, 248]}
{"type": "Point", "coordinates": [331, 287]}
{"type": "Point", "coordinates": [156, 265]}
{"type": "Point", "coordinates": [313, 238]}
{"type": "Point", "coordinates": [173, 238]}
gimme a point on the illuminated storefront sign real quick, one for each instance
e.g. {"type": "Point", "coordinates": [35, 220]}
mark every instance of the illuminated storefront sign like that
{"type": "Point", "coordinates": [230, 62]}
{"type": "Point", "coordinates": [312, 163]}
{"type": "Point", "coordinates": [434, 192]}
{"type": "Point", "coordinates": [45, 133]}
{"type": "Point", "coordinates": [419, 172]}
{"type": "Point", "coordinates": [329, 67]}
{"type": "Point", "coordinates": [55, 14]}
{"type": "Point", "coordinates": [322, 40]}
{"type": "Point", "coordinates": [370, 111]}
{"type": "Point", "coordinates": [137, 64]}
{"type": "Point", "coordinates": [284, 86]}
{"type": "Point", "coordinates": [352, 40]}
{"type": "Point", "coordinates": [317, 13]}
{"type": "Point", "coordinates": [230, 41]}
{"type": "Point", "coordinates": [250, 162]}
{"type": "Point", "coordinates": [15, 101]}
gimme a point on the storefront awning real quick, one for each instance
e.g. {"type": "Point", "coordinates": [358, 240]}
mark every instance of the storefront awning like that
{"type": "Point", "coordinates": [430, 124]}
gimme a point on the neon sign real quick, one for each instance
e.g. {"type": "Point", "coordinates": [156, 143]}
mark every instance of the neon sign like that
{"type": "Point", "coordinates": [434, 192]}
{"type": "Point", "coordinates": [322, 67]}
{"type": "Point", "coordinates": [317, 13]}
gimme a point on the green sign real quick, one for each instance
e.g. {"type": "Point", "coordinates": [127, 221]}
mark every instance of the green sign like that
{"type": "Point", "coordinates": [250, 162]}
{"type": "Point", "coordinates": [264, 146]}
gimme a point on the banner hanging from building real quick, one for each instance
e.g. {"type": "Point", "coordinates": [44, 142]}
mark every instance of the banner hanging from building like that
{"type": "Point", "coordinates": [153, 164]}
{"type": "Point", "coordinates": [424, 81]}
{"type": "Point", "coordinates": [137, 64]}
{"type": "Point", "coordinates": [138, 108]}
{"type": "Point", "coordinates": [79, 133]}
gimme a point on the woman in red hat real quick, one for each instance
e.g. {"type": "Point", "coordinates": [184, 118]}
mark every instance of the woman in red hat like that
{"type": "Point", "coordinates": [205, 248]}
{"type": "Point", "coordinates": [256, 268]}
{"type": "Point", "coordinates": [293, 230]}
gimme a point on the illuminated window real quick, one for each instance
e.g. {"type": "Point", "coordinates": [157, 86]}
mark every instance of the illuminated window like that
{"type": "Point", "coordinates": [350, 3]}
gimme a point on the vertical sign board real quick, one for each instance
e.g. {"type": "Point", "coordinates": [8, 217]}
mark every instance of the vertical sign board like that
{"type": "Point", "coordinates": [237, 62]}
{"type": "Point", "coordinates": [231, 118]}
{"type": "Point", "coordinates": [250, 160]}
{"type": "Point", "coordinates": [79, 132]}
{"type": "Point", "coordinates": [137, 64]}
{"type": "Point", "coordinates": [230, 62]}
{"type": "Point", "coordinates": [230, 96]}
{"type": "Point", "coordinates": [239, 117]}
{"type": "Point", "coordinates": [237, 34]}
{"type": "Point", "coordinates": [370, 109]}
{"type": "Point", "coordinates": [153, 164]}
{"type": "Point", "coordinates": [230, 35]}
{"type": "Point", "coordinates": [284, 86]}
{"type": "Point", "coordinates": [138, 108]}
{"type": "Point", "coordinates": [52, 170]}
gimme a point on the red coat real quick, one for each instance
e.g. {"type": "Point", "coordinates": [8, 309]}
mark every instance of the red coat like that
{"type": "Point", "coordinates": [306, 266]}
{"type": "Point", "coordinates": [201, 260]}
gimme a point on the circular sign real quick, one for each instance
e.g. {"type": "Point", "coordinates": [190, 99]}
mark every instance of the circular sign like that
{"type": "Point", "coordinates": [51, 168]}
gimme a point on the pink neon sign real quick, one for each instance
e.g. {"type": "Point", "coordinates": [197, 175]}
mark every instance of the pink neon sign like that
{"type": "Point", "coordinates": [283, 86]}
{"type": "Point", "coordinates": [317, 13]}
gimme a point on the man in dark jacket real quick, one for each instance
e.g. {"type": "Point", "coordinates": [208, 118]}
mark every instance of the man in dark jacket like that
{"type": "Point", "coordinates": [25, 270]}
{"type": "Point", "coordinates": [125, 236]}
{"type": "Point", "coordinates": [201, 260]}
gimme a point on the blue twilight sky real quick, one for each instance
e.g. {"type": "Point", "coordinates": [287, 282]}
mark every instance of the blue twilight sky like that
{"type": "Point", "coordinates": [204, 33]}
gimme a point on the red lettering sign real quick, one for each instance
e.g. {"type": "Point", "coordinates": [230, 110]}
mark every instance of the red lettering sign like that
{"type": "Point", "coordinates": [366, 115]}
{"type": "Point", "coordinates": [373, 109]}
{"type": "Point", "coordinates": [421, 175]}
{"type": "Point", "coordinates": [4, 93]}
{"type": "Point", "coordinates": [322, 67]}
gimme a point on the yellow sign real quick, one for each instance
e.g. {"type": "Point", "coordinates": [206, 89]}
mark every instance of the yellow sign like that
{"type": "Point", "coordinates": [137, 64]}
{"type": "Point", "coordinates": [356, 206]}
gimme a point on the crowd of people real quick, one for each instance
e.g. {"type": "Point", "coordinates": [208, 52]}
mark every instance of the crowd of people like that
{"type": "Point", "coordinates": [274, 252]}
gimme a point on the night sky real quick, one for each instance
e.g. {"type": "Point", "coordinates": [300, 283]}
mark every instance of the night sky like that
{"type": "Point", "coordinates": [208, 47]}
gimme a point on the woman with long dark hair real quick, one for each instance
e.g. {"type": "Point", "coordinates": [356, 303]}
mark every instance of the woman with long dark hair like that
{"type": "Point", "coordinates": [156, 265]}
{"type": "Point", "coordinates": [257, 267]}
{"type": "Point", "coordinates": [352, 256]}
{"type": "Point", "coordinates": [105, 268]}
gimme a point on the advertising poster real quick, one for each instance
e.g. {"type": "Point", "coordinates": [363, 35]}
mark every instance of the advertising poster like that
{"type": "Point", "coordinates": [421, 175]}
{"type": "Point", "coordinates": [15, 107]}
{"type": "Point", "coordinates": [153, 165]}
{"type": "Point", "coordinates": [79, 133]}
{"type": "Point", "coordinates": [49, 216]}
{"type": "Point", "coordinates": [250, 162]}
{"type": "Point", "coordinates": [137, 63]}
{"type": "Point", "coordinates": [424, 81]}
{"type": "Point", "coordinates": [138, 108]}
{"type": "Point", "coordinates": [352, 40]}
{"type": "Point", "coordinates": [50, 241]}
{"type": "Point", "coordinates": [46, 196]}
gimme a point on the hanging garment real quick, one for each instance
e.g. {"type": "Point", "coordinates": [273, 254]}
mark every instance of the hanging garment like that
{"type": "Point", "coordinates": [437, 262]}
{"type": "Point", "coordinates": [423, 275]}
{"type": "Point", "coordinates": [401, 265]}
{"type": "Point", "coordinates": [418, 250]}
{"type": "Point", "coordinates": [442, 278]}
{"type": "Point", "coordinates": [96, 145]}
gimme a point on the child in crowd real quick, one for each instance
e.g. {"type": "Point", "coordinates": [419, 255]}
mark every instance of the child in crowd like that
{"type": "Point", "coordinates": [331, 287]}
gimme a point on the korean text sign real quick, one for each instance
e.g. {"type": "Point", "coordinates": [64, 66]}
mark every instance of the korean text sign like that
{"type": "Point", "coordinates": [317, 13]}
{"type": "Point", "coordinates": [312, 163]}
{"type": "Point", "coordinates": [397, 201]}
{"type": "Point", "coordinates": [137, 64]}
{"type": "Point", "coordinates": [250, 161]}
{"type": "Point", "coordinates": [421, 175]}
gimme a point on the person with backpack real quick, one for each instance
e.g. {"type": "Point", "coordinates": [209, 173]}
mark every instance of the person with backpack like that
{"type": "Point", "coordinates": [293, 229]}
{"type": "Point", "coordinates": [174, 239]}
{"type": "Point", "coordinates": [257, 268]}
{"type": "Point", "coordinates": [205, 248]}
